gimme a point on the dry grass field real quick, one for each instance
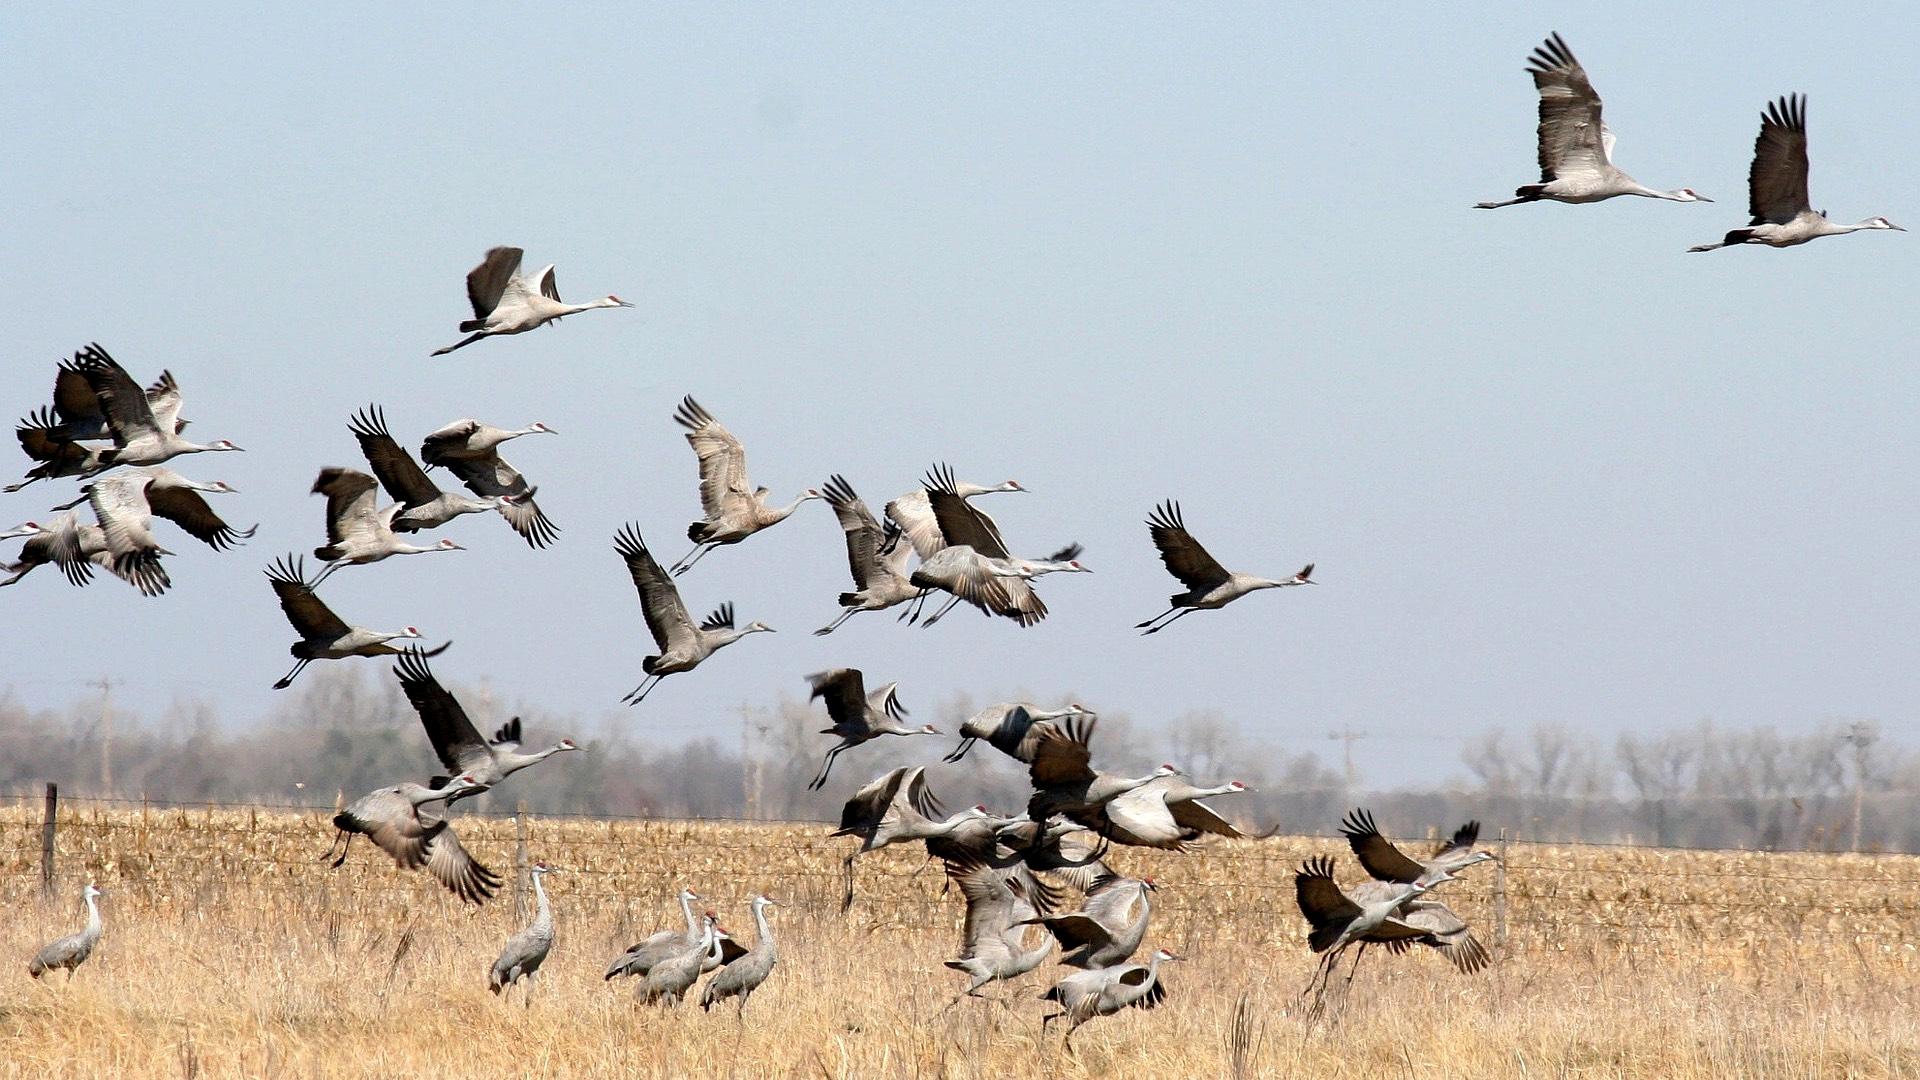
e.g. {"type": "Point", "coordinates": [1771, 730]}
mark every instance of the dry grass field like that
{"type": "Point", "coordinates": [230, 951]}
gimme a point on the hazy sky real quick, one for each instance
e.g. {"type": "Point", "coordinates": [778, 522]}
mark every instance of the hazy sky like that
{"type": "Point", "coordinates": [1551, 467]}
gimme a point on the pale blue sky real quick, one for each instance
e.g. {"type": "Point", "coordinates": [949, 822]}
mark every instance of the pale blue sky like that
{"type": "Point", "coordinates": [1551, 467]}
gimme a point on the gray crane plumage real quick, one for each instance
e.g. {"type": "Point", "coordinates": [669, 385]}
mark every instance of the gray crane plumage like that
{"type": "Point", "coordinates": [1109, 925]}
{"type": "Point", "coordinates": [358, 531]}
{"type": "Point", "coordinates": [1210, 586]}
{"type": "Point", "coordinates": [394, 820]}
{"type": "Point", "coordinates": [1781, 213]}
{"type": "Point", "coordinates": [145, 428]}
{"type": "Point", "coordinates": [71, 951]}
{"type": "Point", "coordinates": [324, 635]}
{"type": "Point", "coordinates": [858, 717]}
{"type": "Point", "coordinates": [732, 508]}
{"type": "Point", "coordinates": [1084, 995]}
{"type": "Point", "coordinates": [683, 646]}
{"type": "Point", "coordinates": [641, 956]}
{"type": "Point", "coordinates": [742, 975]}
{"type": "Point", "coordinates": [1384, 862]}
{"type": "Point", "coordinates": [876, 558]}
{"type": "Point", "coordinates": [527, 949]}
{"type": "Point", "coordinates": [456, 742]}
{"type": "Point", "coordinates": [1001, 905]}
{"type": "Point", "coordinates": [668, 981]}
{"type": "Point", "coordinates": [504, 302]}
{"type": "Point", "coordinates": [1008, 727]}
{"type": "Point", "coordinates": [422, 504]}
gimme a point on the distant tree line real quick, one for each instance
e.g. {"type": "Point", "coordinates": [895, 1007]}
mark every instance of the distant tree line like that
{"type": "Point", "coordinates": [344, 731]}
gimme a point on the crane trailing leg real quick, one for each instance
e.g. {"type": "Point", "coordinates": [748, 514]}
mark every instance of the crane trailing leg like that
{"type": "Point", "coordinates": [288, 680]}
{"type": "Point", "coordinates": [687, 562]}
{"type": "Point", "coordinates": [935, 617]}
{"type": "Point", "coordinates": [1177, 613]}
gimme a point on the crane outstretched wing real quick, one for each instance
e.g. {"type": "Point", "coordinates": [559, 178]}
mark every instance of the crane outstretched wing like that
{"type": "Point", "coordinates": [456, 742]}
{"type": "Point", "coordinates": [1777, 181]}
{"type": "Point", "coordinates": [1183, 555]}
{"type": "Point", "coordinates": [399, 474]}
{"type": "Point", "coordinates": [487, 281]}
{"type": "Point", "coordinates": [1378, 856]}
{"type": "Point", "coordinates": [1572, 136]}
{"type": "Point", "coordinates": [310, 616]}
{"type": "Point", "coordinates": [723, 461]}
{"type": "Point", "coordinates": [491, 476]}
{"type": "Point", "coordinates": [660, 601]}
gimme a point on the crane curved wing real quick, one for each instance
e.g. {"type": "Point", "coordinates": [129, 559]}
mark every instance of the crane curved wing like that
{"type": "Point", "coordinates": [1062, 752]}
{"type": "Point", "coordinates": [310, 616]}
{"type": "Point", "coordinates": [1451, 935]}
{"type": "Point", "coordinates": [720, 619]}
{"type": "Point", "coordinates": [660, 602]}
{"type": "Point", "coordinates": [391, 822]}
{"type": "Point", "coordinates": [548, 288]}
{"type": "Point", "coordinates": [73, 399]}
{"type": "Point", "coordinates": [916, 522]}
{"type": "Point", "coordinates": [1572, 143]}
{"type": "Point", "coordinates": [1378, 856]}
{"type": "Point", "coordinates": [873, 803]}
{"type": "Point", "coordinates": [399, 474]}
{"type": "Point", "coordinates": [121, 399]}
{"type": "Point", "coordinates": [1184, 557]}
{"type": "Point", "coordinates": [164, 401]}
{"type": "Point", "coordinates": [723, 461]}
{"type": "Point", "coordinates": [990, 910]}
{"type": "Point", "coordinates": [448, 442]}
{"type": "Point", "coordinates": [845, 692]}
{"type": "Point", "coordinates": [44, 440]}
{"type": "Point", "coordinates": [1461, 842]}
{"type": "Point", "coordinates": [487, 281]}
{"type": "Point", "coordinates": [491, 476]}
{"type": "Point", "coordinates": [451, 865]}
{"type": "Point", "coordinates": [186, 508]}
{"type": "Point", "coordinates": [1777, 181]}
{"type": "Point", "coordinates": [864, 536]}
{"type": "Point", "coordinates": [456, 742]}
{"type": "Point", "coordinates": [120, 504]}
{"type": "Point", "coordinates": [1193, 815]}
{"type": "Point", "coordinates": [1327, 909]}
{"type": "Point", "coordinates": [350, 503]}
{"type": "Point", "coordinates": [959, 522]}
{"type": "Point", "coordinates": [1139, 817]}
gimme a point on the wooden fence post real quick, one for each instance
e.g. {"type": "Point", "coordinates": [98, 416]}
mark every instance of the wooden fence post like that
{"type": "Point", "coordinates": [46, 838]}
{"type": "Point", "coordinates": [1500, 894]}
{"type": "Point", "coordinates": [520, 862]}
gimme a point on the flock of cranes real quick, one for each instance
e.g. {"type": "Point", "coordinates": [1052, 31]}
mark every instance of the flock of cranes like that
{"type": "Point", "coordinates": [1030, 881]}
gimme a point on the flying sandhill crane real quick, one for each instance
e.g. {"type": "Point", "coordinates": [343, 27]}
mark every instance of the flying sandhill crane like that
{"type": "Point", "coordinates": [53, 435]}
{"type": "Point", "coordinates": [742, 975]}
{"type": "Point", "coordinates": [468, 439]}
{"type": "Point", "coordinates": [1008, 727]}
{"type": "Point", "coordinates": [39, 437]}
{"type": "Point", "coordinates": [667, 982]}
{"type": "Point", "coordinates": [1084, 995]}
{"type": "Point", "coordinates": [527, 949]}
{"type": "Point", "coordinates": [144, 429]}
{"type": "Point", "coordinates": [324, 635]}
{"type": "Point", "coordinates": [1062, 773]}
{"type": "Point", "coordinates": [989, 563]}
{"type": "Point", "coordinates": [640, 957]}
{"type": "Point", "coordinates": [71, 951]}
{"type": "Point", "coordinates": [506, 303]}
{"type": "Point", "coordinates": [455, 740]}
{"type": "Point", "coordinates": [391, 817]}
{"type": "Point", "coordinates": [683, 646]}
{"type": "Point", "coordinates": [469, 450]}
{"type": "Point", "coordinates": [913, 513]}
{"type": "Point", "coordinates": [733, 508]}
{"type": "Point", "coordinates": [76, 548]}
{"type": "Point", "coordinates": [1337, 920]}
{"type": "Point", "coordinates": [1000, 907]}
{"type": "Point", "coordinates": [1576, 146]}
{"type": "Point", "coordinates": [1163, 813]}
{"type": "Point", "coordinates": [1447, 933]}
{"type": "Point", "coordinates": [357, 532]}
{"type": "Point", "coordinates": [126, 523]}
{"type": "Point", "coordinates": [858, 717]}
{"type": "Point", "coordinates": [1210, 586]}
{"type": "Point", "coordinates": [896, 807]}
{"type": "Point", "coordinates": [878, 561]}
{"type": "Point", "coordinates": [422, 505]}
{"type": "Point", "coordinates": [126, 503]}
{"type": "Point", "coordinates": [1782, 214]}
{"type": "Point", "coordinates": [1109, 925]}
{"type": "Point", "coordinates": [1385, 862]}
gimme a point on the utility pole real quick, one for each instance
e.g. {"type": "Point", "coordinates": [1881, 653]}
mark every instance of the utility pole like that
{"type": "Point", "coordinates": [1348, 736]}
{"type": "Point", "coordinates": [106, 735]}
{"type": "Point", "coordinates": [747, 808]}
{"type": "Point", "coordinates": [1862, 735]}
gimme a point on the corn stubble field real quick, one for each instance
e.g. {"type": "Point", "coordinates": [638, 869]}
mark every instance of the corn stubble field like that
{"type": "Point", "coordinates": [231, 951]}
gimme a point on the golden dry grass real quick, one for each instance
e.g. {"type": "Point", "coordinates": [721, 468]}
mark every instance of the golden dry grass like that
{"type": "Point", "coordinates": [230, 951]}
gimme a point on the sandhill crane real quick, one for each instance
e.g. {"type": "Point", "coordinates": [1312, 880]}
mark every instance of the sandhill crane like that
{"type": "Point", "coordinates": [456, 742]}
{"type": "Point", "coordinates": [993, 945]}
{"type": "Point", "coordinates": [1385, 862]}
{"type": "Point", "coordinates": [527, 949]}
{"type": "Point", "coordinates": [71, 951]}
{"type": "Point", "coordinates": [422, 505]}
{"type": "Point", "coordinates": [733, 508]}
{"type": "Point", "coordinates": [53, 435]}
{"type": "Point", "coordinates": [1008, 727]}
{"type": "Point", "coordinates": [640, 957]}
{"type": "Point", "coordinates": [1337, 920]}
{"type": "Point", "coordinates": [1782, 214]}
{"type": "Point", "coordinates": [741, 976]}
{"type": "Point", "coordinates": [1109, 924]}
{"type": "Point", "coordinates": [1576, 146]}
{"type": "Point", "coordinates": [391, 818]}
{"type": "Point", "coordinates": [669, 980]}
{"type": "Point", "coordinates": [858, 717]}
{"type": "Point", "coordinates": [468, 439]}
{"type": "Point", "coordinates": [144, 430]}
{"type": "Point", "coordinates": [324, 635]}
{"type": "Point", "coordinates": [1210, 586]}
{"type": "Point", "coordinates": [1447, 933]}
{"type": "Point", "coordinates": [506, 303]}
{"type": "Point", "coordinates": [1063, 777]}
{"type": "Point", "coordinates": [76, 548]}
{"type": "Point", "coordinates": [357, 533]}
{"type": "Point", "coordinates": [894, 808]}
{"type": "Point", "coordinates": [126, 522]}
{"type": "Point", "coordinates": [913, 513]}
{"type": "Point", "coordinates": [1062, 847]}
{"type": "Point", "coordinates": [39, 437]}
{"type": "Point", "coordinates": [683, 646]}
{"type": "Point", "coordinates": [1084, 995]}
{"type": "Point", "coordinates": [126, 503]}
{"type": "Point", "coordinates": [879, 580]}
{"type": "Point", "coordinates": [1162, 813]}
{"type": "Point", "coordinates": [989, 565]}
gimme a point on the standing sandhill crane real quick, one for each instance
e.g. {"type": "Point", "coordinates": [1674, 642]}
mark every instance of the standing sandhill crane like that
{"type": "Point", "coordinates": [1337, 920]}
{"type": "Point", "coordinates": [506, 303]}
{"type": "Point", "coordinates": [468, 439]}
{"type": "Point", "coordinates": [456, 742]}
{"type": "Point", "coordinates": [858, 717]}
{"type": "Point", "coordinates": [894, 808]}
{"type": "Point", "coordinates": [145, 430]}
{"type": "Point", "coordinates": [422, 505]}
{"type": "Point", "coordinates": [913, 513]}
{"type": "Point", "coordinates": [527, 949]}
{"type": "Point", "coordinates": [1008, 727]}
{"type": "Point", "coordinates": [1448, 933]}
{"type": "Point", "coordinates": [733, 508]}
{"type": "Point", "coordinates": [1782, 214]}
{"type": "Point", "coordinates": [669, 980]}
{"type": "Point", "coordinates": [1000, 907]}
{"type": "Point", "coordinates": [1162, 813]}
{"type": "Point", "coordinates": [1210, 586]}
{"type": "Point", "coordinates": [1084, 995]}
{"type": "Point", "coordinates": [877, 559]}
{"type": "Point", "coordinates": [391, 817]}
{"type": "Point", "coordinates": [1062, 773]}
{"type": "Point", "coordinates": [1385, 862]}
{"type": "Point", "coordinates": [742, 975]}
{"type": "Point", "coordinates": [1576, 146]}
{"type": "Point", "coordinates": [324, 635]}
{"type": "Point", "coordinates": [683, 646]}
{"type": "Point", "coordinates": [71, 951]}
{"type": "Point", "coordinates": [357, 533]}
{"type": "Point", "coordinates": [1109, 924]}
{"type": "Point", "coordinates": [76, 548]}
{"type": "Point", "coordinates": [640, 957]}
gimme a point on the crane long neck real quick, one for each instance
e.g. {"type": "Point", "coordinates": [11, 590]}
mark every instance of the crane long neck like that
{"type": "Point", "coordinates": [543, 916]}
{"type": "Point", "coordinates": [760, 924]}
{"type": "Point", "coordinates": [93, 918]}
{"type": "Point", "coordinates": [686, 908]}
